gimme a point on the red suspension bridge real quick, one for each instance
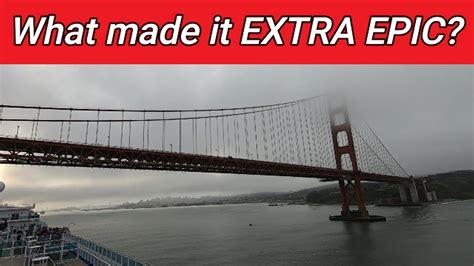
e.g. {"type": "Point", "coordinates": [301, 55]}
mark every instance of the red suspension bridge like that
{"type": "Point", "coordinates": [311, 138]}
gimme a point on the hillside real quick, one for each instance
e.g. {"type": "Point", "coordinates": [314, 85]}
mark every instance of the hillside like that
{"type": "Point", "coordinates": [452, 185]}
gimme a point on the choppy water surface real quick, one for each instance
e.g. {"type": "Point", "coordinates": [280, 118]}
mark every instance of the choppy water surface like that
{"type": "Point", "coordinates": [430, 235]}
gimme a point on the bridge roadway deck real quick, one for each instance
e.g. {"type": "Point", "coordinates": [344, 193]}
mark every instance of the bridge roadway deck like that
{"type": "Point", "coordinates": [54, 153]}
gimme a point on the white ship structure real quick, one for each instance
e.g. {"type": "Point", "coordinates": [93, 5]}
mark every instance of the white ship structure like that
{"type": "Point", "coordinates": [26, 240]}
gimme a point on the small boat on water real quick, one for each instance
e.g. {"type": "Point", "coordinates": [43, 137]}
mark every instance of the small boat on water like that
{"type": "Point", "coordinates": [272, 204]}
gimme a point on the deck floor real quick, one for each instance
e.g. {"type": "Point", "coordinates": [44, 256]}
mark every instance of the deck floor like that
{"type": "Point", "coordinates": [19, 261]}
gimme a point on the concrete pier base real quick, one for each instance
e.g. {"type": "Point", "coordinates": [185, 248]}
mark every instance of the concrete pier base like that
{"type": "Point", "coordinates": [356, 216]}
{"type": "Point", "coordinates": [413, 193]}
{"type": "Point", "coordinates": [403, 193]}
{"type": "Point", "coordinates": [370, 218]}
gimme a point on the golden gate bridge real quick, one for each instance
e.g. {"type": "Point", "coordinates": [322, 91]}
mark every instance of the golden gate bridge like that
{"type": "Point", "coordinates": [310, 138]}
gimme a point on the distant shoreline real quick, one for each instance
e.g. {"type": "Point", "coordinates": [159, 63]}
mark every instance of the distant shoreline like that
{"type": "Point", "coordinates": [157, 207]}
{"type": "Point", "coordinates": [441, 202]}
{"type": "Point", "coordinates": [452, 186]}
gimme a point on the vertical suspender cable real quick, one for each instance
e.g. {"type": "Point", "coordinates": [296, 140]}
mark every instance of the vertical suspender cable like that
{"type": "Point", "coordinates": [148, 134]}
{"type": "Point", "coordinates": [143, 130]}
{"type": "Point", "coordinates": [255, 130]}
{"type": "Point", "coordinates": [205, 133]}
{"type": "Point", "coordinates": [228, 133]}
{"type": "Point", "coordinates": [97, 128]}
{"type": "Point", "coordinates": [278, 135]}
{"type": "Point", "coordinates": [223, 132]}
{"type": "Point", "coordinates": [296, 134]}
{"type": "Point", "coordinates": [32, 129]}
{"type": "Point", "coordinates": [272, 135]}
{"type": "Point", "coordinates": [33, 126]}
{"type": "Point", "coordinates": [217, 134]}
{"type": "Point", "coordinates": [196, 132]}
{"type": "Point", "coordinates": [265, 145]}
{"type": "Point", "coordinates": [180, 140]}
{"type": "Point", "coordinates": [61, 133]}
{"type": "Point", "coordinates": [320, 138]}
{"type": "Point", "coordinates": [163, 135]}
{"type": "Point", "coordinates": [1, 119]}
{"type": "Point", "coordinates": [305, 131]}
{"type": "Point", "coordinates": [37, 122]}
{"type": "Point", "coordinates": [69, 125]}
{"type": "Point", "coordinates": [313, 139]}
{"type": "Point", "coordinates": [238, 137]}
{"type": "Point", "coordinates": [285, 136]}
{"type": "Point", "coordinates": [270, 121]}
{"type": "Point", "coordinates": [246, 135]}
{"type": "Point", "coordinates": [87, 131]}
{"type": "Point", "coordinates": [130, 134]}
{"type": "Point", "coordinates": [121, 131]}
{"type": "Point", "coordinates": [210, 134]}
{"type": "Point", "coordinates": [193, 135]}
{"type": "Point", "coordinates": [324, 139]}
{"type": "Point", "coordinates": [108, 136]}
{"type": "Point", "coordinates": [235, 133]}
{"type": "Point", "coordinates": [290, 137]}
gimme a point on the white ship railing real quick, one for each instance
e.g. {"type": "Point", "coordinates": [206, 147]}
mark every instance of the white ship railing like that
{"type": "Point", "coordinates": [91, 258]}
{"type": "Point", "coordinates": [35, 248]}
{"type": "Point", "coordinates": [103, 255]}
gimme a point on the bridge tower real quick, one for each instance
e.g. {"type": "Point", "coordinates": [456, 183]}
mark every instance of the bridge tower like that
{"type": "Point", "coordinates": [344, 151]}
{"type": "Point", "coordinates": [350, 188]}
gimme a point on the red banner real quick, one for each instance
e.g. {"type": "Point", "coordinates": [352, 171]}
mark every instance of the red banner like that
{"type": "Point", "coordinates": [236, 32]}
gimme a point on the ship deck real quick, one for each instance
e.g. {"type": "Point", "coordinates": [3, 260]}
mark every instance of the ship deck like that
{"type": "Point", "coordinates": [20, 261]}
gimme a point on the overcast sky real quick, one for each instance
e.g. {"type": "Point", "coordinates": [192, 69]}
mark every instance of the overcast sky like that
{"type": "Point", "coordinates": [423, 114]}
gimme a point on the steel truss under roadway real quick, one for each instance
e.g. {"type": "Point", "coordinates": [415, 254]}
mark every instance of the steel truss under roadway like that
{"type": "Point", "coordinates": [52, 153]}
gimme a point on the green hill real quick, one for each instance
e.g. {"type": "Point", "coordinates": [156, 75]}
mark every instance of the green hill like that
{"type": "Point", "coordinates": [452, 185]}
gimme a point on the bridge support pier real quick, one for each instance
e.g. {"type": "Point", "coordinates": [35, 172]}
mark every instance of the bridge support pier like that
{"type": "Point", "coordinates": [413, 193]}
{"type": "Point", "coordinates": [417, 193]}
{"type": "Point", "coordinates": [350, 188]}
{"type": "Point", "coordinates": [403, 193]}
